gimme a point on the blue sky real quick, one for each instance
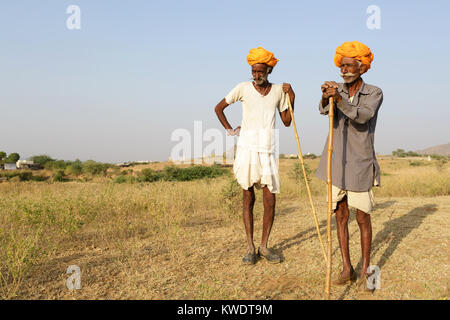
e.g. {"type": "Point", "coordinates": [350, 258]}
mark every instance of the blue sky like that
{"type": "Point", "coordinates": [117, 88]}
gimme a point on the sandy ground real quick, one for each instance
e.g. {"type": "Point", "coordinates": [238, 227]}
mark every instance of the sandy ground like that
{"type": "Point", "coordinates": [202, 259]}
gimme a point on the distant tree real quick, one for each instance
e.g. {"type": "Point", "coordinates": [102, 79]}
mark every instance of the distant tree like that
{"type": "Point", "coordinates": [56, 164]}
{"type": "Point", "coordinates": [12, 158]}
{"type": "Point", "coordinates": [42, 159]}
{"type": "Point", "coordinates": [310, 156]}
{"type": "Point", "coordinates": [402, 153]}
{"type": "Point", "coordinates": [94, 168]}
{"type": "Point", "coordinates": [2, 155]}
{"type": "Point", "coordinates": [75, 168]}
{"type": "Point", "coordinates": [398, 153]}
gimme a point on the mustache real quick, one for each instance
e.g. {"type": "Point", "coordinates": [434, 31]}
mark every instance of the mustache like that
{"type": "Point", "coordinates": [259, 79]}
{"type": "Point", "coordinates": [348, 74]}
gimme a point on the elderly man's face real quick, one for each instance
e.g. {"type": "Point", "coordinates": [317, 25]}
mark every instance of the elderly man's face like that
{"type": "Point", "coordinates": [260, 72]}
{"type": "Point", "coordinates": [351, 69]}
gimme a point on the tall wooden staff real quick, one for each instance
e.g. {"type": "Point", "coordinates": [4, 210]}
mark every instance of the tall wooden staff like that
{"type": "Point", "coordinates": [300, 156]}
{"type": "Point", "coordinates": [330, 199]}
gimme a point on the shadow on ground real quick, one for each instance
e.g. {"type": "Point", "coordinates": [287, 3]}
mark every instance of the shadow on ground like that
{"type": "Point", "coordinates": [311, 232]}
{"type": "Point", "coordinates": [394, 232]}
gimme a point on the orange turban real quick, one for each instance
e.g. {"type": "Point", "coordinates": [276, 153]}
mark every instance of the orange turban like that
{"type": "Point", "coordinates": [355, 50]}
{"type": "Point", "coordinates": [261, 55]}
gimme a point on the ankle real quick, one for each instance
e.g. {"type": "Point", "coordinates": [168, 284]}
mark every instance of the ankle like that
{"type": "Point", "coordinates": [348, 269]}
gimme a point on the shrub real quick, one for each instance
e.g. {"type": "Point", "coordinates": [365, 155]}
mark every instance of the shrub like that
{"type": "Point", "coordinates": [296, 173]}
{"type": "Point", "coordinates": [402, 154]}
{"type": "Point", "coordinates": [18, 176]}
{"type": "Point", "coordinates": [172, 173]}
{"type": "Point", "coordinates": [231, 195]}
{"type": "Point", "coordinates": [39, 178]}
{"type": "Point", "coordinates": [56, 165]}
{"type": "Point", "coordinates": [149, 175]}
{"type": "Point", "coordinates": [59, 176]}
{"type": "Point", "coordinates": [120, 179]}
{"type": "Point", "coordinates": [95, 168]}
{"type": "Point", "coordinates": [41, 159]}
{"type": "Point", "coordinates": [75, 168]}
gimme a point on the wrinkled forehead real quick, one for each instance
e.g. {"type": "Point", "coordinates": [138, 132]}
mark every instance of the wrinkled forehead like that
{"type": "Point", "coordinates": [261, 67]}
{"type": "Point", "coordinates": [347, 60]}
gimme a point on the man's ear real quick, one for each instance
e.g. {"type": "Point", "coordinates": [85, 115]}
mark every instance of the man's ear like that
{"type": "Point", "coordinates": [269, 70]}
{"type": "Point", "coordinates": [363, 68]}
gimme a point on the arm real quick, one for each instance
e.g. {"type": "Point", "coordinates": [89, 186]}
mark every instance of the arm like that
{"type": "Point", "coordinates": [324, 108]}
{"type": "Point", "coordinates": [223, 119]}
{"type": "Point", "coordinates": [219, 112]}
{"type": "Point", "coordinates": [286, 114]}
{"type": "Point", "coordinates": [362, 113]}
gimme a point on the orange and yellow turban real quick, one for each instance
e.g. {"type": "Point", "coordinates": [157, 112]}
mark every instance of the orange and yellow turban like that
{"type": "Point", "coordinates": [261, 55]}
{"type": "Point", "coordinates": [355, 50]}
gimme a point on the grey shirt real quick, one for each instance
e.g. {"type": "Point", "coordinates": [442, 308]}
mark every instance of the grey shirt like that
{"type": "Point", "coordinates": [354, 166]}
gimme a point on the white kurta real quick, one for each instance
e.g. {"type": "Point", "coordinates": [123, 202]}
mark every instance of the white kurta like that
{"type": "Point", "coordinates": [256, 161]}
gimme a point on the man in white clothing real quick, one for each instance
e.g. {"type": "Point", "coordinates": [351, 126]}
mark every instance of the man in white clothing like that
{"type": "Point", "coordinates": [256, 163]}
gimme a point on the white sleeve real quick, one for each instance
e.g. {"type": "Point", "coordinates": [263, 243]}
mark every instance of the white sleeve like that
{"type": "Point", "coordinates": [235, 94]}
{"type": "Point", "coordinates": [284, 104]}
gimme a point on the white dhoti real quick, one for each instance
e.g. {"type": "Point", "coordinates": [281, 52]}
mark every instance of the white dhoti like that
{"type": "Point", "coordinates": [256, 161]}
{"type": "Point", "coordinates": [256, 168]}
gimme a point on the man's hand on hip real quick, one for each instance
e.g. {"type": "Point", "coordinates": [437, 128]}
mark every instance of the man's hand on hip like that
{"type": "Point", "coordinates": [234, 132]}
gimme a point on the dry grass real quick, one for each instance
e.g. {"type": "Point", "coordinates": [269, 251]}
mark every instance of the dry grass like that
{"type": "Point", "coordinates": [174, 240]}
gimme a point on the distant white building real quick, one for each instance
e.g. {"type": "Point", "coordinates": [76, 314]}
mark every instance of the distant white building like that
{"type": "Point", "coordinates": [23, 164]}
{"type": "Point", "coordinates": [10, 166]}
{"type": "Point", "coordinates": [28, 164]}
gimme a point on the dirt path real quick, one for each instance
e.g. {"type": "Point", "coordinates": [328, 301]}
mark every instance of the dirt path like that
{"type": "Point", "coordinates": [202, 259]}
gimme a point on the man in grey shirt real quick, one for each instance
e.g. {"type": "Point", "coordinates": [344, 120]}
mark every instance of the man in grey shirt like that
{"type": "Point", "coordinates": [354, 166]}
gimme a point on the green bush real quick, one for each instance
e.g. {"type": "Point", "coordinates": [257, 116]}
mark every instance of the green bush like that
{"type": "Point", "coordinates": [231, 195]}
{"type": "Point", "coordinates": [39, 178]}
{"type": "Point", "coordinates": [75, 168]}
{"type": "Point", "coordinates": [41, 159]}
{"type": "Point", "coordinates": [56, 165]}
{"type": "Point", "coordinates": [172, 173]}
{"type": "Point", "coordinates": [21, 175]}
{"type": "Point", "coordinates": [120, 179]}
{"type": "Point", "coordinates": [149, 175]}
{"type": "Point", "coordinates": [296, 173]}
{"type": "Point", "coordinates": [415, 164]}
{"type": "Point", "coordinates": [59, 176]}
{"type": "Point", "coordinates": [402, 153]}
{"type": "Point", "coordinates": [95, 168]}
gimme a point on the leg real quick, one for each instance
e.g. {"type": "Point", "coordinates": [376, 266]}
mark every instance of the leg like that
{"type": "Point", "coordinates": [269, 213]}
{"type": "Point", "coordinates": [342, 215]}
{"type": "Point", "coordinates": [249, 201]}
{"type": "Point", "coordinates": [365, 227]}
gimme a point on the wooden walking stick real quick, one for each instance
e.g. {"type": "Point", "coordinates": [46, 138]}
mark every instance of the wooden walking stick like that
{"type": "Point", "coordinates": [300, 156]}
{"type": "Point", "coordinates": [330, 198]}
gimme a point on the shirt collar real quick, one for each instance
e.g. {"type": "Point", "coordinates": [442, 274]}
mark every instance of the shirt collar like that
{"type": "Point", "coordinates": [363, 89]}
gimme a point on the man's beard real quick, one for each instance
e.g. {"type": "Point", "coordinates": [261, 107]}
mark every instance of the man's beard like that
{"type": "Point", "coordinates": [349, 77]}
{"type": "Point", "coordinates": [260, 81]}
